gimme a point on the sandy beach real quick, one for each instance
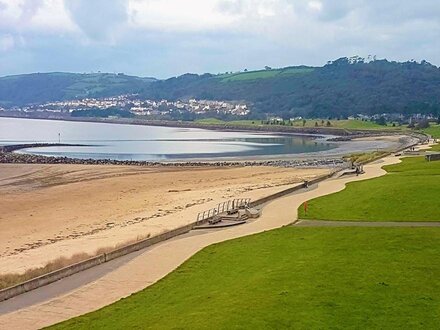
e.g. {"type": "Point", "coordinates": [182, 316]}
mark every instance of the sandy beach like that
{"type": "Point", "coordinates": [48, 211]}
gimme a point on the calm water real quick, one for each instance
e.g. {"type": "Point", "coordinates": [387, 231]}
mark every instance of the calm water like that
{"type": "Point", "coordinates": [130, 142]}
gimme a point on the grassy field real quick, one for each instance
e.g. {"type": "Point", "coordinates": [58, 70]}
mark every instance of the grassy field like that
{"type": "Point", "coordinates": [409, 192]}
{"type": "Point", "coordinates": [365, 157]}
{"type": "Point", "coordinates": [435, 148]}
{"type": "Point", "coordinates": [343, 124]}
{"type": "Point", "coordinates": [263, 74]}
{"type": "Point", "coordinates": [433, 130]}
{"type": "Point", "coordinates": [302, 278]}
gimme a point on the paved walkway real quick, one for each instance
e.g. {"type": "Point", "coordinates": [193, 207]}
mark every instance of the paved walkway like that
{"type": "Point", "coordinates": [154, 264]}
{"type": "Point", "coordinates": [336, 223]}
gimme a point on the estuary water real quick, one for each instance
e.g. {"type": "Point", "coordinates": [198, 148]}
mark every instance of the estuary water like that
{"type": "Point", "coordinates": [150, 143]}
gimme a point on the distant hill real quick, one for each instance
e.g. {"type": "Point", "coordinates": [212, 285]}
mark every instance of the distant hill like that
{"type": "Point", "coordinates": [340, 88]}
{"type": "Point", "coordinates": [45, 87]}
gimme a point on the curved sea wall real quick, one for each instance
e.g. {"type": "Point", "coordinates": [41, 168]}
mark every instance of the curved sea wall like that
{"type": "Point", "coordinates": [8, 156]}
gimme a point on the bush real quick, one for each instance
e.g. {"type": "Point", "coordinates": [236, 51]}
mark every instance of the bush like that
{"type": "Point", "coordinates": [381, 121]}
{"type": "Point", "coordinates": [422, 124]}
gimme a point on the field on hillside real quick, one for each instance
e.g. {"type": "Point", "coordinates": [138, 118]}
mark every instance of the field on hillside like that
{"type": "Point", "coordinates": [409, 192]}
{"type": "Point", "coordinates": [303, 278]}
{"type": "Point", "coordinates": [262, 74]}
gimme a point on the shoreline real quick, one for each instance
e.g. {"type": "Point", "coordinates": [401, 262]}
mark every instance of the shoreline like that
{"type": "Point", "coordinates": [287, 130]}
{"type": "Point", "coordinates": [11, 154]}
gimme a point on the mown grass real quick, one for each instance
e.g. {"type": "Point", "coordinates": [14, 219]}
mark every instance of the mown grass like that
{"type": "Point", "coordinates": [215, 121]}
{"type": "Point", "coordinates": [433, 130]}
{"type": "Point", "coordinates": [409, 192]}
{"type": "Point", "coordinates": [343, 124]}
{"type": "Point", "coordinates": [300, 278]}
{"type": "Point", "coordinates": [435, 148]}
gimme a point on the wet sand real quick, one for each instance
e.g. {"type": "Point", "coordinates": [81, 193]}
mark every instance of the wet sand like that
{"type": "Point", "coordinates": [48, 211]}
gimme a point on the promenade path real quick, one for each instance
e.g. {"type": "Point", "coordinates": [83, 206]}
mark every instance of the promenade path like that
{"type": "Point", "coordinates": [158, 261]}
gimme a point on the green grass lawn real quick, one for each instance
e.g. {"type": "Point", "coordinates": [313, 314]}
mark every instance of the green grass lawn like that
{"type": "Point", "coordinates": [409, 192]}
{"type": "Point", "coordinates": [433, 130]}
{"type": "Point", "coordinates": [435, 147]}
{"type": "Point", "coordinates": [301, 278]}
{"type": "Point", "coordinates": [344, 124]}
{"type": "Point", "coordinates": [215, 121]}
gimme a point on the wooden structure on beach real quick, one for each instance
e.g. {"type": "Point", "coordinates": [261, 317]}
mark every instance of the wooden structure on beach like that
{"type": "Point", "coordinates": [228, 206]}
{"type": "Point", "coordinates": [230, 213]}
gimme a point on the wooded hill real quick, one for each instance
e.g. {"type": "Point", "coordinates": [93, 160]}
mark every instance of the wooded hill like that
{"type": "Point", "coordinates": [340, 88]}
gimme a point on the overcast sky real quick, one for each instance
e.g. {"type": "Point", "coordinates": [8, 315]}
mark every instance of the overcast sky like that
{"type": "Point", "coordinates": [164, 38]}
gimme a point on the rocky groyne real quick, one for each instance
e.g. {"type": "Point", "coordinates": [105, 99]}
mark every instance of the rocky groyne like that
{"type": "Point", "coordinates": [7, 155]}
{"type": "Point", "coordinates": [15, 147]}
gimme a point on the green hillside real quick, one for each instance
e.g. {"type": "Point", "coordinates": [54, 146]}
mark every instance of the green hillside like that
{"type": "Point", "coordinates": [43, 87]}
{"type": "Point", "coordinates": [338, 89]}
{"type": "Point", "coordinates": [262, 74]}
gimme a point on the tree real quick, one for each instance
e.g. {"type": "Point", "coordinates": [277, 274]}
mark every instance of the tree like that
{"type": "Point", "coordinates": [328, 123]}
{"type": "Point", "coordinates": [304, 122]}
{"type": "Point", "coordinates": [381, 121]}
{"type": "Point", "coordinates": [424, 123]}
{"type": "Point", "coordinates": [316, 124]}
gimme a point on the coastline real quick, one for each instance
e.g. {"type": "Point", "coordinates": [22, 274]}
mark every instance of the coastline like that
{"type": "Point", "coordinates": [332, 157]}
{"type": "Point", "coordinates": [288, 130]}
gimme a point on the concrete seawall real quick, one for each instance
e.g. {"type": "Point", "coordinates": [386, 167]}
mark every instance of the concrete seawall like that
{"type": "Point", "coordinates": [54, 276]}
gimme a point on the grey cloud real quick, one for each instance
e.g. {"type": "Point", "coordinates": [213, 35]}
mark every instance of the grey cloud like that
{"type": "Point", "coordinates": [393, 12]}
{"type": "Point", "coordinates": [377, 11]}
{"type": "Point", "coordinates": [231, 6]}
{"type": "Point", "coordinates": [336, 10]}
{"type": "Point", "coordinates": [98, 19]}
{"type": "Point", "coordinates": [29, 8]}
{"type": "Point", "coordinates": [397, 30]}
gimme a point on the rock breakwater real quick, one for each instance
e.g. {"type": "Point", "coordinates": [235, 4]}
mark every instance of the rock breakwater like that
{"type": "Point", "coordinates": [8, 156]}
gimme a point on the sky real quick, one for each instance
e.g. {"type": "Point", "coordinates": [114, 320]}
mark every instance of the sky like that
{"type": "Point", "coordinates": [165, 38]}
